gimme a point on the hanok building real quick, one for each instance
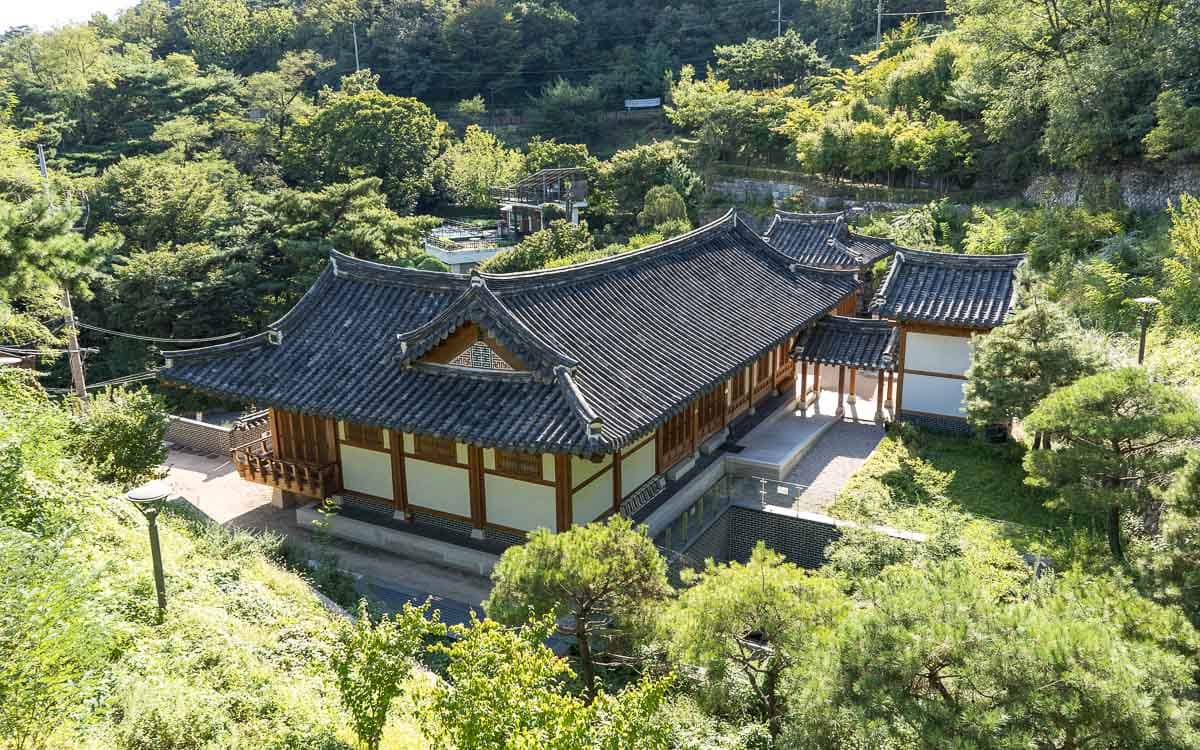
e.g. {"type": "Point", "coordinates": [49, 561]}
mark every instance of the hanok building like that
{"type": "Point", "coordinates": [827, 241]}
{"type": "Point", "coordinates": [938, 301]}
{"type": "Point", "coordinates": [489, 405]}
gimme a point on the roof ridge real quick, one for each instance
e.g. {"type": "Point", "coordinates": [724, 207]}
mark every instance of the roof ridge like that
{"type": "Point", "coordinates": [348, 267]}
{"type": "Point", "coordinates": [964, 259]}
{"type": "Point", "coordinates": [827, 217]}
{"type": "Point", "coordinates": [620, 259]}
{"type": "Point", "coordinates": [579, 403]}
{"type": "Point", "coordinates": [479, 305]}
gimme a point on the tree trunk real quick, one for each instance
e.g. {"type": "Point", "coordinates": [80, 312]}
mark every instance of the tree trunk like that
{"type": "Point", "coordinates": [771, 693]}
{"type": "Point", "coordinates": [1114, 532]}
{"type": "Point", "coordinates": [587, 670]}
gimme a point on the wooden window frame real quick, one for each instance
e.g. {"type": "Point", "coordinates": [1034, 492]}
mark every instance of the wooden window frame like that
{"type": "Point", "coordinates": [519, 465]}
{"type": "Point", "coordinates": [363, 436]}
{"type": "Point", "coordinates": [676, 438]}
{"type": "Point", "coordinates": [710, 413]}
{"type": "Point", "coordinates": [435, 449]}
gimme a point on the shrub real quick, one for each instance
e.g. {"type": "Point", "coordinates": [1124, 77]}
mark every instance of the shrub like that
{"type": "Point", "coordinates": [121, 435]}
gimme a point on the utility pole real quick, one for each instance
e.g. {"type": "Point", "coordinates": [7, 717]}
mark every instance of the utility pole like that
{"type": "Point", "coordinates": [354, 33]}
{"type": "Point", "coordinates": [73, 346]}
{"type": "Point", "coordinates": [778, 18]}
{"type": "Point", "coordinates": [73, 354]}
{"type": "Point", "coordinates": [878, 24]}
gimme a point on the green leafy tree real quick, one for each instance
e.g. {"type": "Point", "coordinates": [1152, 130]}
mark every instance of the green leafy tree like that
{"type": "Point", "coordinates": [121, 435]}
{"type": "Point", "coordinates": [758, 620]}
{"type": "Point", "coordinates": [157, 200]}
{"type": "Point", "coordinates": [1016, 365]}
{"type": "Point", "coordinates": [599, 580]}
{"type": "Point", "coordinates": [368, 134]}
{"type": "Point", "coordinates": [1119, 433]}
{"type": "Point", "coordinates": [941, 661]}
{"type": "Point", "coordinates": [769, 63]}
{"type": "Point", "coordinates": [1181, 267]}
{"type": "Point", "coordinates": [374, 659]}
{"type": "Point", "coordinates": [1169, 563]}
{"type": "Point", "coordinates": [1176, 132]}
{"type": "Point", "coordinates": [559, 240]}
{"type": "Point", "coordinates": [280, 93]}
{"type": "Point", "coordinates": [39, 248]}
{"type": "Point", "coordinates": [506, 689]}
{"type": "Point", "coordinates": [547, 153]}
{"type": "Point", "coordinates": [626, 175]}
{"type": "Point", "coordinates": [478, 163]}
{"type": "Point", "coordinates": [568, 110]}
{"type": "Point", "coordinates": [663, 204]}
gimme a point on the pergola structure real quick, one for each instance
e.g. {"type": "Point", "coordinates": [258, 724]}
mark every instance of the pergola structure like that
{"type": "Point", "coordinates": [852, 344]}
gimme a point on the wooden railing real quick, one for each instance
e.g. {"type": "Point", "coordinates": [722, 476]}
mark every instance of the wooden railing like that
{"type": "Point", "coordinates": [257, 463]}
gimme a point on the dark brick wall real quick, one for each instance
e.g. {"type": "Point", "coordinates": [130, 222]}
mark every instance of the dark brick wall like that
{"type": "Point", "coordinates": [801, 540]}
{"type": "Point", "coordinates": [938, 424]}
{"type": "Point", "coordinates": [199, 436]}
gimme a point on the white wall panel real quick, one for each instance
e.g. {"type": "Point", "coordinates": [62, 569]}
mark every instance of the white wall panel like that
{"type": "Point", "coordinates": [437, 486]}
{"type": "Point", "coordinates": [636, 468]}
{"type": "Point", "coordinates": [517, 504]}
{"type": "Point", "coordinates": [365, 471]}
{"type": "Point", "coordinates": [931, 353]}
{"type": "Point", "coordinates": [590, 502]}
{"type": "Point", "coordinates": [933, 395]}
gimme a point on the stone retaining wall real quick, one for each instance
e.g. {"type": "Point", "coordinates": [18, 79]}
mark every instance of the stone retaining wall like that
{"type": "Point", "coordinates": [1140, 189]}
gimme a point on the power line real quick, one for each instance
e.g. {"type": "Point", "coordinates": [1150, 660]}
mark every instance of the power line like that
{"type": "Point", "coordinates": [125, 380]}
{"type": "Point", "coordinates": [159, 340]}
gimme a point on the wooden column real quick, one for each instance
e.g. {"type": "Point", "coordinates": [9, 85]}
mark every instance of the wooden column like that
{"type": "Point", "coordinates": [803, 388]}
{"type": "Point", "coordinates": [399, 485]}
{"type": "Point", "coordinates": [891, 380]}
{"type": "Point", "coordinates": [562, 491]}
{"type": "Point", "coordinates": [817, 386]}
{"type": "Point", "coordinates": [879, 397]}
{"type": "Point", "coordinates": [616, 479]}
{"type": "Point", "coordinates": [841, 406]}
{"type": "Point", "coordinates": [853, 395]}
{"type": "Point", "coordinates": [476, 484]}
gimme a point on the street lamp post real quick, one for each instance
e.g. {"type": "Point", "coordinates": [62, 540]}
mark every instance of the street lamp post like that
{"type": "Point", "coordinates": [145, 499]}
{"type": "Point", "coordinates": [1147, 304]}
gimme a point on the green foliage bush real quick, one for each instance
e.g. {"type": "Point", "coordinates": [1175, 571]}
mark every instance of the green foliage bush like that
{"type": "Point", "coordinates": [120, 434]}
{"type": "Point", "coordinates": [559, 240]}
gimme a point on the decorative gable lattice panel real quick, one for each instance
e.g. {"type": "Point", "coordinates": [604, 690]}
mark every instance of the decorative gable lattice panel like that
{"type": "Point", "coordinates": [481, 357]}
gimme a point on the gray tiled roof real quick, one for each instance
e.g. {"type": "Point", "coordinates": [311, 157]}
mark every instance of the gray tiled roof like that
{"type": "Point", "coordinates": [614, 347]}
{"type": "Point", "coordinates": [972, 291]}
{"type": "Point", "coordinates": [855, 342]}
{"type": "Point", "coordinates": [824, 240]}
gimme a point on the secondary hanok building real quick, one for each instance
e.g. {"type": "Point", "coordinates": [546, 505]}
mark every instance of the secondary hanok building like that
{"type": "Point", "coordinates": [490, 405]}
{"type": "Point", "coordinates": [827, 241]}
{"type": "Point", "coordinates": [938, 301]}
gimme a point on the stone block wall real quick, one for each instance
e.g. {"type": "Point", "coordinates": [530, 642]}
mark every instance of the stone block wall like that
{"type": "Point", "coordinates": [799, 537]}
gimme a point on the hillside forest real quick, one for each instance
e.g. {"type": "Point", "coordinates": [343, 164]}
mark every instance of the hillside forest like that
{"type": "Point", "coordinates": [180, 170]}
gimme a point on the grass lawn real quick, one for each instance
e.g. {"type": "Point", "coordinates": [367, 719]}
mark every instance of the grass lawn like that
{"type": "Point", "coordinates": [914, 478]}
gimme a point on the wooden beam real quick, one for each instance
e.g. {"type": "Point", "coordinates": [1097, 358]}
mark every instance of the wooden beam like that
{"type": "Point", "coordinates": [399, 483]}
{"type": "Point", "coordinates": [879, 397]}
{"type": "Point", "coordinates": [803, 387]}
{"type": "Point", "coordinates": [616, 479]}
{"type": "Point", "coordinates": [476, 487]}
{"type": "Point", "coordinates": [562, 494]}
{"type": "Point", "coordinates": [841, 406]}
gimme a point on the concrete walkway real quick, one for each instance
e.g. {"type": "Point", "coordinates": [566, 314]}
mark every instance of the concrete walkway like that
{"type": "Point", "coordinates": [839, 450]}
{"type": "Point", "coordinates": [212, 486]}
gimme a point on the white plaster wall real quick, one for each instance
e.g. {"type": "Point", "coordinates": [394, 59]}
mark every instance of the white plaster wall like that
{"type": "Point", "coordinates": [437, 486]}
{"type": "Point", "coordinates": [369, 472]}
{"type": "Point", "coordinates": [932, 353]}
{"type": "Point", "coordinates": [933, 395]}
{"type": "Point", "coordinates": [583, 469]}
{"type": "Point", "coordinates": [636, 468]}
{"type": "Point", "coordinates": [588, 503]}
{"type": "Point", "coordinates": [520, 505]}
